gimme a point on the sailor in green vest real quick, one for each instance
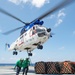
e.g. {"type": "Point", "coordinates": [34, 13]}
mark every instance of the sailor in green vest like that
{"type": "Point", "coordinates": [19, 66]}
{"type": "Point", "coordinates": [25, 65]}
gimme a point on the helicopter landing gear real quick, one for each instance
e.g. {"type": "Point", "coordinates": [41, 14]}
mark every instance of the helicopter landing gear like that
{"type": "Point", "coordinates": [15, 52]}
{"type": "Point", "coordinates": [29, 54]}
{"type": "Point", "coordinates": [40, 47]}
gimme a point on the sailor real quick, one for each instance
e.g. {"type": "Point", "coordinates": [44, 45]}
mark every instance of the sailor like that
{"type": "Point", "coordinates": [26, 64]}
{"type": "Point", "coordinates": [19, 66]}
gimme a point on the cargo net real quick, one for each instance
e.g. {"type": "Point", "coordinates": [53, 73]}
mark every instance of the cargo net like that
{"type": "Point", "coordinates": [65, 67]}
{"type": "Point", "coordinates": [40, 68]}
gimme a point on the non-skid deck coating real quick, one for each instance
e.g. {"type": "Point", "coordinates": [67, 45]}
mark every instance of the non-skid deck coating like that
{"type": "Point", "coordinates": [8, 70]}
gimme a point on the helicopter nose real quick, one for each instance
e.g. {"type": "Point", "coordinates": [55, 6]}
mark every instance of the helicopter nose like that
{"type": "Point", "coordinates": [49, 30]}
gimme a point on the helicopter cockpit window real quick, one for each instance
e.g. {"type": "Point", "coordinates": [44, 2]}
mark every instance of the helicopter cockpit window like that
{"type": "Point", "coordinates": [40, 30]}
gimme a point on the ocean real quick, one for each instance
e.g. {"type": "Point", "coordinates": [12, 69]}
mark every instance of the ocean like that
{"type": "Point", "coordinates": [6, 64]}
{"type": "Point", "coordinates": [11, 64]}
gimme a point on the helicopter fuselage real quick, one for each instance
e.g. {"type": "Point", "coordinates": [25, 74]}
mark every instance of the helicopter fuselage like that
{"type": "Point", "coordinates": [35, 36]}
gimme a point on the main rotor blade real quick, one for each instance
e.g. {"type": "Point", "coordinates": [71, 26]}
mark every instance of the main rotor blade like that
{"type": "Point", "coordinates": [8, 32]}
{"type": "Point", "coordinates": [6, 13]}
{"type": "Point", "coordinates": [62, 4]}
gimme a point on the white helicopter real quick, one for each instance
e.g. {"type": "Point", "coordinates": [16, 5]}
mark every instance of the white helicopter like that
{"type": "Point", "coordinates": [33, 34]}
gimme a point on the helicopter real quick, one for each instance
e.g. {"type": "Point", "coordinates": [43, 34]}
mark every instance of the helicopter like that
{"type": "Point", "coordinates": [32, 35]}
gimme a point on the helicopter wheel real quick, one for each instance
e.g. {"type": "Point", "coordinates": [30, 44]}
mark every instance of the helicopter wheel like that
{"type": "Point", "coordinates": [40, 47]}
{"type": "Point", "coordinates": [29, 54]}
{"type": "Point", "coordinates": [15, 53]}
